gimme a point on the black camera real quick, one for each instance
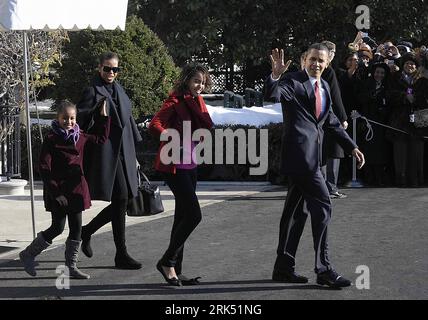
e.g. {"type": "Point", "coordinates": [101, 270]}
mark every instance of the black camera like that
{"type": "Point", "coordinates": [362, 60]}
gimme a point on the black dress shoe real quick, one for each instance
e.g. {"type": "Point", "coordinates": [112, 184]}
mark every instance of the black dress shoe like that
{"type": "Point", "coordinates": [332, 279]}
{"type": "Point", "coordinates": [124, 261]}
{"type": "Point", "coordinates": [173, 281]}
{"type": "Point", "coordinates": [86, 244]}
{"type": "Point", "coordinates": [288, 277]}
{"type": "Point", "coordinates": [338, 195]}
{"type": "Point", "coordinates": [188, 281]}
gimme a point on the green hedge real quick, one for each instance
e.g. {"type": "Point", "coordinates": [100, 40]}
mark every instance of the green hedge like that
{"type": "Point", "coordinates": [148, 71]}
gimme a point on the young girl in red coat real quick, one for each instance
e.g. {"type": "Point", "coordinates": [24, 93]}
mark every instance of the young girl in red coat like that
{"type": "Point", "coordinates": [65, 191]}
{"type": "Point", "coordinates": [184, 104]}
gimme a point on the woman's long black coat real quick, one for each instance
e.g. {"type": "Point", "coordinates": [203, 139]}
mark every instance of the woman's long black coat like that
{"type": "Point", "coordinates": [374, 106]}
{"type": "Point", "coordinates": [101, 161]}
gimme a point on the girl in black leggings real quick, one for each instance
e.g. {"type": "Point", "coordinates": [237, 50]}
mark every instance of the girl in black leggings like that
{"type": "Point", "coordinates": [65, 191]}
{"type": "Point", "coordinates": [185, 106]}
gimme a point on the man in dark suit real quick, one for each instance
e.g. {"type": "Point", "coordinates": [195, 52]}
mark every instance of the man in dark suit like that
{"type": "Point", "coordinates": [306, 107]}
{"type": "Point", "coordinates": [110, 169]}
{"type": "Point", "coordinates": [333, 152]}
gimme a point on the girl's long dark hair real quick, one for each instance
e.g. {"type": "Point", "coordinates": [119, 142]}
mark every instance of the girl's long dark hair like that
{"type": "Point", "coordinates": [189, 71]}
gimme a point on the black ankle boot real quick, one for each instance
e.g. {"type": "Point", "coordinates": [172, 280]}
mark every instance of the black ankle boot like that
{"type": "Point", "coordinates": [124, 261]}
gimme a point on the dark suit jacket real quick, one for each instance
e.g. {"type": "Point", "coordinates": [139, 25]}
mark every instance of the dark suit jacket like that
{"type": "Point", "coordinates": [331, 148]}
{"type": "Point", "coordinates": [101, 160]}
{"type": "Point", "coordinates": [301, 151]}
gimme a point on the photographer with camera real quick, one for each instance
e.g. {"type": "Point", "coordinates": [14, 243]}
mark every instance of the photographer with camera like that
{"type": "Point", "coordinates": [364, 55]}
{"type": "Point", "coordinates": [364, 58]}
{"type": "Point", "coordinates": [389, 54]}
{"type": "Point", "coordinates": [404, 47]}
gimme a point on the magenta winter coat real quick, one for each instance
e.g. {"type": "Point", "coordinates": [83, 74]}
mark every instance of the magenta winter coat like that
{"type": "Point", "coordinates": [61, 168]}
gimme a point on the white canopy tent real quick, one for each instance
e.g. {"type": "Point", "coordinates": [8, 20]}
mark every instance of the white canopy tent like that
{"type": "Point", "coordinates": [71, 15]}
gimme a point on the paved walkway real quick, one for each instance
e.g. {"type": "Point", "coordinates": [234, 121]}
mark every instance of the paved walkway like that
{"type": "Point", "coordinates": [233, 250]}
{"type": "Point", "coordinates": [16, 227]}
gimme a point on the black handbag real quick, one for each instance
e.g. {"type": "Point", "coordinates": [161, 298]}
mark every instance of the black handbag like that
{"type": "Point", "coordinates": [148, 200]}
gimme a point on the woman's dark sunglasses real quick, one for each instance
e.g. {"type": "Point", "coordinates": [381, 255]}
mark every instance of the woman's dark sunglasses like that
{"type": "Point", "coordinates": [108, 69]}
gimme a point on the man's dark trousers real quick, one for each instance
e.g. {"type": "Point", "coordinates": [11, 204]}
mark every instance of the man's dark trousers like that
{"type": "Point", "coordinates": [312, 190]}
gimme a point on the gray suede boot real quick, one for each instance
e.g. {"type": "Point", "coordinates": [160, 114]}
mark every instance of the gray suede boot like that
{"type": "Point", "coordinates": [28, 255]}
{"type": "Point", "coordinates": [71, 254]}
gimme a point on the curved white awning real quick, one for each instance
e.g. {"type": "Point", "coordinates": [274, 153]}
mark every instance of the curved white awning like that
{"type": "Point", "coordinates": [62, 14]}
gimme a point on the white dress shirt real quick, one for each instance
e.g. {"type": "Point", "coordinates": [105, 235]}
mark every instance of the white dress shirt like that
{"type": "Point", "coordinates": [323, 92]}
{"type": "Point", "coordinates": [320, 86]}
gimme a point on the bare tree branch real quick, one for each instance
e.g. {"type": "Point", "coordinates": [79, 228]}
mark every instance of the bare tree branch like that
{"type": "Point", "coordinates": [45, 52]}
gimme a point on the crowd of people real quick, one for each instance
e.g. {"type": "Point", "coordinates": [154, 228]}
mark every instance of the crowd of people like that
{"type": "Point", "coordinates": [387, 83]}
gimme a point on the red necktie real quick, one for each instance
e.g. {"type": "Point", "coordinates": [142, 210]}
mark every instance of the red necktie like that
{"type": "Point", "coordinates": [318, 103]}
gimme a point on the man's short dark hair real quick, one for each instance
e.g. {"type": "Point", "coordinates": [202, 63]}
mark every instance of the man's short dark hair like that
{"type": "Point", "coordinates": [107, 56]}
{"type": "Point", "coordinates": [330, 45]}
{"type": "Point", "coordinates": [318, 46]}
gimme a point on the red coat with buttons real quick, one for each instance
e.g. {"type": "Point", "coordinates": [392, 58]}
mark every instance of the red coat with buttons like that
{"type": "Point", "coordinates": [61, 169]}
{"type": "Point", "coordinates": [176, 109]}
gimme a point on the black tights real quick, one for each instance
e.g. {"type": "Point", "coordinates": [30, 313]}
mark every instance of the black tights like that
{"type": "Point", "coordinates": [58, 224]}
{"type": "Point", "coordinates": [186, 217]}
{"type": "Point", "coordinates": [115, 212]}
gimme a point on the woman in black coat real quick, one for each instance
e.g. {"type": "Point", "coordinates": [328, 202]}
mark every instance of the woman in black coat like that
{"type": "Point", "coordinates": [349, 82]}
{"type": "Point", "coordinates": [407, 148]}
{"type": "Point", "coordinates": [421, 102]}
{"type": "Point", "coordinates": [374, 106]}
{"type": "Point", "coordinates": [110, 169]}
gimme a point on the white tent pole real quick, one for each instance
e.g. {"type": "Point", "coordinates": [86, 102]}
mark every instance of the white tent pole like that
{"type": "Point", "coordinates": [35, 96]}
{"type": "Point", "coordinates": [29, 147]}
